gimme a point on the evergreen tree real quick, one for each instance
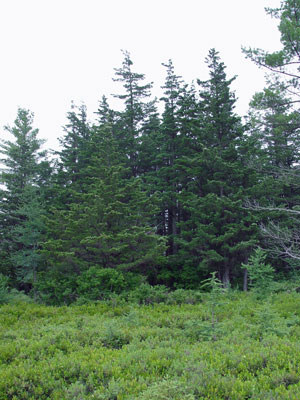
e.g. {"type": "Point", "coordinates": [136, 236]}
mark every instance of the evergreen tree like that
{"type": "Point", "coordinates": [136, 112]}
{"type": "Point", "coordinates": [173, 141]}
{"type": "Point", "coordinates": [276, 113]}
{"type": "Point", "coordinates": [105, 114]}
{"type": "Point", "coordinates": [107, 226]}
{"type": "Point", "coordinates": [71, 166]}
{"type": "Point", "coordinates": [276, 123]}
{"type": "Point", "coordinates": [74, 154]}
{"type": "Point", "coordinates": [24, 165]}
{"type": "Point", "coordinates": [170, 151]}
{"type": "Point", "coordinates": [28, 235]}
{"type": "Point", "coordinates": [284, 63]}
{"type": "Point", "coordinates": [218, 232]}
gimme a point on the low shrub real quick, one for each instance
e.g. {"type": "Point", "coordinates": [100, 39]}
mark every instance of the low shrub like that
{"type": "Point", "coordinates": [113, 350]}
{"type": "Point", "coordinates": [147, 294]}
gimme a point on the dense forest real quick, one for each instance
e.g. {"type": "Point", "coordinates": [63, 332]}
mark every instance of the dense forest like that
{"type": "Point", "coordinates": [165, 198]}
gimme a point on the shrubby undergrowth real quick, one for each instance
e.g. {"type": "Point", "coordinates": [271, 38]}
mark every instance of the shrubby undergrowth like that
{"type": "Point", "coordinates": [141, 350]}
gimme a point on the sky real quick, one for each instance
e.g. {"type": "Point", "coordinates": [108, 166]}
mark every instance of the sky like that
{"type": "Point", "coordinates": [54, 52]}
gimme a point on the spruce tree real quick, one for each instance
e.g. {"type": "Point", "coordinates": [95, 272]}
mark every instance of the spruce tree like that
{"type": "Point", "coordinates": [28, 235]}
{"type": "Point", "coordinates": [74, 154]}
{"type": "Point", "coordinates": [276, 124]}
{"type": "Point", "coordinates": [218, 233]}
{"type": "Point", "coordinates": [106, 226]}
{"type": "Point", "coordinates": [25, 166]}
{"type": "Point", "coordinates": [136, 113]}
{"type": "Point", "coordinates": [276, 116]}
{"type": "Point", "coordinates": [173, 142]}
{"type": "Point", "coordinates": [283, 63]}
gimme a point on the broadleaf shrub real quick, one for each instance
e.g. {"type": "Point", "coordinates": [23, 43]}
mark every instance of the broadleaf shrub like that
{"type": "Point", "coordinates": [98, 283]}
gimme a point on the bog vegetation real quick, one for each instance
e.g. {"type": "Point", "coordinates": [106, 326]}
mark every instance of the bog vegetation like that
{"type": "Point", "coordinates": [145, 350]}
{"type": "Point", "coordinates": [123, 255]}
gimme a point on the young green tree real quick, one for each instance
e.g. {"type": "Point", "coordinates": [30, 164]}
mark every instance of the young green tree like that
{"type": "Point", "coordinates": [170, 151]}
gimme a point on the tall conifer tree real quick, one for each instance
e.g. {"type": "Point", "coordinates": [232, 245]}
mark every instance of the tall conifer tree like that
{"type": "Point", "coordinates": [106, 226]}
{"type": "Point", "coordinates": [218, 233]}
{"type": "Point", "coordinates": [136, 111]}
{"type": "Point", "coordinates": [24, 167]}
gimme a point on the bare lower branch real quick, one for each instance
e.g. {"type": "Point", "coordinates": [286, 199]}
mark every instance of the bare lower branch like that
{"type": "Point", "coordinates": [254, 205]}
{"type": "Point", "coordinates": [284, 243]}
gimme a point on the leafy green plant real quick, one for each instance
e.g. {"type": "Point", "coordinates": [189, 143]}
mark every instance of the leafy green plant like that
{"type": "Point", "coordinates": [182, 296]}
{"type": "Point", "coordinates": [155, 352]}
{"type": "Point", "coordinates": [113, 336]}
{"type": "Point", "coordinates": [98, 283]}
{"type": "Point", "coordinates": [167, 389]}
{"type": "Point", "coordinates": [147, 294]}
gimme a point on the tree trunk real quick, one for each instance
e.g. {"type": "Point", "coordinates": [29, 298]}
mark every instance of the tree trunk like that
{"type": "Point", "coordinates": [226, 278]}
{"type": "Point", "coordinates": [245, 281]}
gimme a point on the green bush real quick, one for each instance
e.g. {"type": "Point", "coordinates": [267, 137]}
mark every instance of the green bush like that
{"type": "Point", "coordinates": [182, 296]}
{"type": "Point", "coordinates": [11, 296]}
{"type": "Point", "coordinates": [147, 294]}
{"type": "Point", "coordinates": [98, 283]}
{"type": "Point", "coordinates": [167, 389]}
{"type": "Point", "coordinates": [59, 289]}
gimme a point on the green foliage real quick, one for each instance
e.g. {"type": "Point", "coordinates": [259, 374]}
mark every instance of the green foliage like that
{"type": "Point", "coordinates": [214, 299]}
{"type": "Point", "coordinates": [107, 225]}
{"type": "Point", "coordinates": [138, 198]}
{"type": "Point", "coordinates": [28, 234]}
{"type": "Point", "coordinates": [283, 62]}
{"type": "Point", "coordinates": [132, 121]}
{"type": "Point", "coordinates": [11, 296]}
{"type": "Point", "coordinates": [261, 274]}
{"type": "Point", "coordinates": [167, 389]}
{"type": "Point", "coordinates": [181, 296]}
{"type": "Point", "coordinates": [24, 168]}
{"type": "Point", "coordinates": [157, 351]}
{"type": "Point", "coordinates": [217, 233]}
{"type": "Point", "coordinates": [4, 293]}
{"type": "Point", "coordinates": [98, 283]}
{"type": "Point", "coordinates": [147, 294]}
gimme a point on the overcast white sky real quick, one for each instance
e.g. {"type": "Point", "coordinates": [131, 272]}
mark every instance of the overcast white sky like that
{"type": "Point", "coordinates": [56, 51]}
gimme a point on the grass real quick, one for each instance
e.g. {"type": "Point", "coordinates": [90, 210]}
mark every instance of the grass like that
{"type": "Point", "coordinates": [111, 351]}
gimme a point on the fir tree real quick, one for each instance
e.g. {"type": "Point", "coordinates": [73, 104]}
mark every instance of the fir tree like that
{"type": "Point", "coordinates": [24, 167]}
{"type": "Point", "coordinates": [74, 154]}
{"type": "Point", "coordinates": [28, 235]}
{"type": "Point", "coordinates": [284, 63]}
{"type": "Point", "coordinates": [107, 226]}
{"type": "Point", "coordinates": [276, 116]}
{"type": "Point", "coordinates": [218, 232]}
{"type": "Point", "coordinates": [136, 111]}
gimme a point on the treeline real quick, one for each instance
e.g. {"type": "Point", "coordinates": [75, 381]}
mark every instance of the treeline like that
{"type": "Point", "coordinates": [164, 198]}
